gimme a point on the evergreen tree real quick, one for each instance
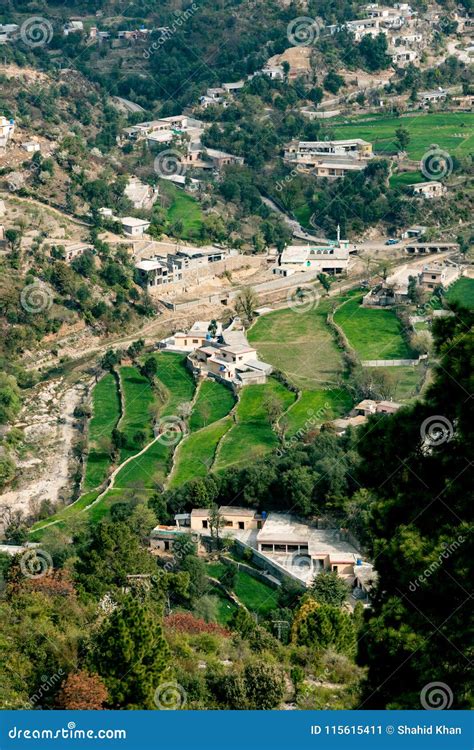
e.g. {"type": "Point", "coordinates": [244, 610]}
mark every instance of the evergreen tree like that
{"type": "Point", "coordinates": [131, 655]}
{"type": "Point", "coordinates": [417, 463]}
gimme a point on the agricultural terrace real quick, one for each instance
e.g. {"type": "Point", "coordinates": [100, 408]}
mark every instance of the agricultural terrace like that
{"type": "Point", "coordinates": [303, 347]}
{"type": "Point", "coordinates": [209, 421]}
{"type": "Point", "coordinates": [194, 457]}
{"type": "Point", "coordinates": [252, 435]}
{"type": "Point", "coordinates": [253, 594]}
{"type": "Point", "coordinates": [136, 422]}
{"type": "Point", "coordinates": [451, 131]}
{"type": "Point", "coordinates": [213, 401]}
{"type": "Point", "coordinates": [374, 334]}
{"type": "Point", "coordinates": [183, 209]}
{"type": "Point", "coordinates": [462, 292]}
{"type": "Point", "coordinates": [105, 415]}
{"type": "Point", "coordinates": [299, 344]}
{"type": "Point", "coordinates": [176, 389]}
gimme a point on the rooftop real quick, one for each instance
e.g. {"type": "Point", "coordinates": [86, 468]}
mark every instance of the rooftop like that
{"type": "Point", "coordinates": [284, 528]}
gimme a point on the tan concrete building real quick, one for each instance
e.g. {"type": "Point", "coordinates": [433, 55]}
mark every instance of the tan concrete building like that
{"type": "Point", "coordinates": [238, 519]}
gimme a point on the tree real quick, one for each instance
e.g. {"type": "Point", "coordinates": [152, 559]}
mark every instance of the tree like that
{"type": "Point", "coordinates": [325, 281]}
{"type": "Point", "coordinates": [332, 82]}
{"type": "Point", "coordinates": [273, 408]}
{"type": "Point", "coordinates": [329, 588]}
{"type": "Point", "coordinates": [297, 486]}
{"type": "Point", "coordinates": [10, 401]}
{"type": "Point", "coordinates": [150, 368]}
{"type": "Point", "coordinates": [212, 328]}
{"type": "Point", "coordinates": [245, 304]}
{"type": "Point", "coordinates": [131, 655]}
{"type": "Point", "coordinates": [109, 360]}
{"type": "Point", "coordinates": [264, 686]}
{"type": "Point", "coordinates": [320, 626]}
{"type": "Point", "coordinates": [109, 555]}
{"type": "Point", "coordinates": [7, 469]}
{"type": "Point", "coordinates": [419, 629]}
{"type": "Point", "coordinates": [402, 136]}
{"type": "Point", "coordinates": [216, 523]}
{"type": "Point", "coordinates": [82, 691]}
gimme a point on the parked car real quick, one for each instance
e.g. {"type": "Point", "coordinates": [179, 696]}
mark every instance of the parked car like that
{"type": "Point", "coordinates": [392, 241]}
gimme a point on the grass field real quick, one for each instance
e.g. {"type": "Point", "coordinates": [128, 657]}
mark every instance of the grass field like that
{"type": "Point", "coordinates": [451, 131]}
{"type": "Point", "coordinates": [255, 595]}
{"type": "Point", "coordinates": [406, 178]}
{"type": "Point", "coordinates": [195, 455]}
{"type": "Point", "coordinates": [299, 344]}
{"type": "Point", "coordinates": [214, 401]}
{"type": "Point", "coordinates": [374, 334]}
{"type": "Point", "coordinates": [252, 436]}
{"type": "Point", "coordinates": [183, 208]}
{"type": "Point", "coordinates": [177, 380]}
{"type": "Point", "coordinates": [154, 464]}
{"type": "Point", "coordinates": [462, 291]}
{"type": "Point", "coordinates": [315, 407]}
{"type": "Point", "coordinates": [138, 397]}
{"type": "Point", "coordinates": [105, 415]}
{"type": "Point", "coordinates": [407, 381]}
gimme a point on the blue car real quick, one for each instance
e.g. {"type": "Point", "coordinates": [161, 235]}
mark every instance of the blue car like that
{"type": "Point", "coordinates": [392, 242]}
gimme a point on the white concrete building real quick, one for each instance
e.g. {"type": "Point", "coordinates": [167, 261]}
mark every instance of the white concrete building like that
{"type": "Point", "coordinates": [134, 227]}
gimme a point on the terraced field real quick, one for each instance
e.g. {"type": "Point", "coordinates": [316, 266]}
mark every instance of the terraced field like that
{"type": "Point", "coordinates": [315, 407]}
{"type": "Point", "coordinates": [195, 456]}
{"type": "Point", "coordinates": [252, 436]}
{"type": "Point", "coordinates": [105, 415]}
{"type": "Point", "coordinates": [299, 344]}
{"type": "Point", "coordinates": [451, 131]}
{"type": "Point", "coordinates": [374, 334]}
{"type": "Point", "coordinates": [138, 399]}
{"type": "Point", "coordinates": [214, 401]}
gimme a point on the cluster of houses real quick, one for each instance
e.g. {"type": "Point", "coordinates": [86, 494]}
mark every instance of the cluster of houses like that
{"type": "Point", "coordinates": [160, 270]}
{"type": "Point", "coordinates": [185, 132]}
{"type": "Point", "coordinates": [394, 291]}
{"type": "Point", "coordinates": [331, 159]}
{"type": "Point", "coordinates": [331, 258]}
{"type": "Point", "coordinates": [222, 354]}
{"type": "Point", "coordinates": [281, 544]}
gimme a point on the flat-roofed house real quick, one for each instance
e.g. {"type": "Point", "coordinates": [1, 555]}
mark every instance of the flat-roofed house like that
{"type": "Point", "coordinates": [332, 259]}
{"type": "Point", "coordinates": [438, 274]}
{"type": "Point", "coordinates": [133, 226]}
{"type": "Point", "coordinates": [153, 272]}
{"type": "Point", "coordinates": [286, 539]}
{"type": "Point", "coordinates": [305, 150]}
{"type": "Point", "coordinates": [430, 189]}
{"type": "Point", "coordinates": [234, 517]}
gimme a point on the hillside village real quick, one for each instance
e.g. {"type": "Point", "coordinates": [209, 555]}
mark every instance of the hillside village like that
{"type": "Point", "coordinates": [233, 301]}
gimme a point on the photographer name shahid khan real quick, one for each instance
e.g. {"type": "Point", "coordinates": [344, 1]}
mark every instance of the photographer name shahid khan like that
{"type": "Point", "coordinates": [423, 729]}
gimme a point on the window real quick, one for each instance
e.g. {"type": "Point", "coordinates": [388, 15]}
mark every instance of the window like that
{"type": "Point", "coordinates": [204, 525]}
{"type": "Point", "coordinates": [241, 525]}
{"type": "Point", "coordinates": [334, 568]}
{"type": "Point", "coordinates": [267, 548]}
{"type": "Point", "coordinates": [195, 341]}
